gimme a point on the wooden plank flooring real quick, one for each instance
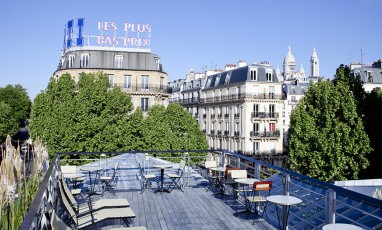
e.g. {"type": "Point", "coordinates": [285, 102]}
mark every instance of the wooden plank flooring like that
{"type": "Point", "coordinates": [195, 208]}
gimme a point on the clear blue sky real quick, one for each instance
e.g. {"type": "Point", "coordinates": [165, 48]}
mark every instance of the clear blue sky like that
{"type": "Point", "coordinates": [194, 34]}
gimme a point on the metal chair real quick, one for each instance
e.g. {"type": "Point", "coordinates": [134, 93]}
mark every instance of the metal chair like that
{"type": "Point", "coordinates": [210, 177]}
{"type": "Point", "coordinates": [109, 181]}
{"type": "Point", "coordinates": [257, 200]}
{"type": "Point", "coordinates": [146, 179]}
{"type": "Point", "coordinates": [175, 178]}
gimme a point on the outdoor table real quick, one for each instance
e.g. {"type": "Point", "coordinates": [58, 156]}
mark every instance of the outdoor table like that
{"type": "Point", "coordinates": [162, 167]}
{"type": "Point", "coordinates": [284, 200]}
{"type": "Point", "coordinates": [245, 182]}
{"type": "Point", "coordinates": [338, 226]}
{"type": "Point", "coordinates": [91, 169]}
{"type": "Point", "coordinates": [72, 177]}
{"type": "Point", "coordinates": [220, 170]}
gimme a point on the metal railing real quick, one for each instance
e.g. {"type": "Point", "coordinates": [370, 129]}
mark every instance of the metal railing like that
{"type": "Point", "coordinates": [153, 88]}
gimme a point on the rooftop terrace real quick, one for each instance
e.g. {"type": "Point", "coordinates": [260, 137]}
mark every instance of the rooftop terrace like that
{"type": "Point", "coordinates": [197, 207]}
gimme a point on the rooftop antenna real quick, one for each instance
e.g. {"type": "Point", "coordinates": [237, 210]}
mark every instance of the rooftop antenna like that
{"type": "Point", "coordinates": [361, 58]}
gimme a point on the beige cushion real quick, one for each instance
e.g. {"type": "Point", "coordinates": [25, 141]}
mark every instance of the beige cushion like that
{"type": "Point", "coordinates": [104, 214]}
{"type": "Point", "coordinates": [173, 175]}
{"type": "Point", "coordinates": [149, 176]}
{"type": "Point", "coordinates": [236, 174]}
{"type": "Point", "coordinates": [210, 164]}
{"type": "Point", "coordinates": [75, 191]}
{"type": "Point", "coordinates": [256, 199]}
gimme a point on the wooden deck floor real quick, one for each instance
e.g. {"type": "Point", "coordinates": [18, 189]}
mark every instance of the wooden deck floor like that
{"type": "Point", "coordinates": [195, 208]}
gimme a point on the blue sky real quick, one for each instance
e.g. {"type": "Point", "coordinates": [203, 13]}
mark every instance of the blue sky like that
{"type": "Point", "coordinates": [195, 34]}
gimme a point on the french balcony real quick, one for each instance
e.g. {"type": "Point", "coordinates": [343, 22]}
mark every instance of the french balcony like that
{"type": "Point", "coordinates": [212, 132]}
{"type": "Point", "coordinates": [254, 135]}
{"type": "Point", "coordinates": [138, 88]}
{"type": "Point", "coordinates": [219, 132]}
{"type": "Point", "coordinates": [320, 201]}
{"type": "Point", "coordinates": [237, 115]}
{"type": "Point", "coordinates": [236, 133]}
{"type": "Point", "coordinates": [264, 115]}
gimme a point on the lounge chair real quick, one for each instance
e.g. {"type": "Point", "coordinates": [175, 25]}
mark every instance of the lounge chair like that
{"type": "Point", "coordinates": [94, 216]}
{"type": "Point", "coordinates": [98, 204]}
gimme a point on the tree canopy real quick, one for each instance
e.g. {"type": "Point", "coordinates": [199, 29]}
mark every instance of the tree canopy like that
{"type": "Point", "coordinates": [15, 107]}
{"type": "Point", "coordinates": [327, 138]}
{"type": "Point", "coordinates": [87, 116]}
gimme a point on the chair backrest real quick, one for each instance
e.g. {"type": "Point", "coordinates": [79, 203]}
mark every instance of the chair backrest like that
{"type": "Point", "coordinates": [57, 224]}
{"type": "Point", "coordinates": [237, 174]}
{"type": "Point", "coordinates": [228, 171]}
{"type": "Point", "coordinates": [67, 193]}
{"type": "Point", "coordinates": [66, 169]}
{"type": "Point", "coordinates": [182, 163]}
{"type": "Point", "coordinates": [210, 164]}
{"type": "Point", "coordinates": [68, 207]}
{"type": "Point", "coordinates": [262, 186]}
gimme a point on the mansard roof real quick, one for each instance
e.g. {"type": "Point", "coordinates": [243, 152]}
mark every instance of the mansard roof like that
{"type": "Point", "coordinates": [241, 75]}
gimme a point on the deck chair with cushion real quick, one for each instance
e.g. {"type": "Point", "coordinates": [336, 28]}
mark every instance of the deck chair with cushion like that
{"type": "Point", "coordinates": [109, 181]}
{"type": "Point", "coordinates": [257, 200]}
{"type": "Point", "coordinates": [210, 176]}
{"type": "Point", "coordinates": [94, 216]}
{"type": "Point", "coordinates": [146, 178]}
{"type": "Point", "coordinates": [176, 177]}
{"type": "Point", "coordinates": [98, 204]}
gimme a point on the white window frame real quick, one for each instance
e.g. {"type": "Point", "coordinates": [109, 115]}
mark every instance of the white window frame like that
{"type": "Point", "coordinates": [84, 61]}
{"type": "Point", "coordinates": [118, 59]}
{"type": "Point", "coordinates": [71, 60]}
{"type": "Point", "coordinates": [111, 80]}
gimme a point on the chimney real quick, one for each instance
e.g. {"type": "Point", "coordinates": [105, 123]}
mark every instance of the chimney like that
{"type": "Point", "coordinates": [230, 67]}
{"type": "Point", "coordinates": [242, 63]}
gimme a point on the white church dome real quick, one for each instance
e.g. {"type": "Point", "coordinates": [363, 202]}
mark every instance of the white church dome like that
{"type": "Point", "coordinates": [289, 59]}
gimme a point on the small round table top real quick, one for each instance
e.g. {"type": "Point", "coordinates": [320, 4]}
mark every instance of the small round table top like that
{"type": "Point", "coordinates": [162, 166]}
{"type": "Point", "coordinates": [339, 226]}
{"type": "Point", "coordinates": [246, 180]}
{"type": "Point", "coordinates": [73, 175]}
{"type": "Point", "coordinates": [91, 168]}
{"type": "Point", "coordinates": [284, 199]}
{"type": "Point", "coordinates": [220, 169]}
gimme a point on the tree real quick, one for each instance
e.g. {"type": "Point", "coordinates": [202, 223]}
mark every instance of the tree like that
{"type": "Point", "coordinates": [81, 117]}
{"type": "Point", "coordinates": [19, 107]}
{"type": "Point", "coordinates": [327, 137]}
{"type": "Point", "coordinates": [6, 123]}
{"type": "Point", "coordinates": [373, 124]}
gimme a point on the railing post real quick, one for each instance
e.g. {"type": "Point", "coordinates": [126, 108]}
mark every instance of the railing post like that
{"type": "Point", "coordinates": [223, 159]}
{"type": "Point", "coordinates": [257, 171]}
{"type": "Point", "coordinates": [286, 182]}
{"type": "Point", "coordinates": [330, 207]}
{"type": "Point", "coordinates": [188, 168]}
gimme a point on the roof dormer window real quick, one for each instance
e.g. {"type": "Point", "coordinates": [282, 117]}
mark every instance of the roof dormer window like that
{"type": "Point", "coordinates": [118, 61]}
{"type": "Point", "coordinates": [84, 60]}
{"type": "Point", "coordinates": [70, 63]}
{"type": "Point", "coordinates": [253, 75]}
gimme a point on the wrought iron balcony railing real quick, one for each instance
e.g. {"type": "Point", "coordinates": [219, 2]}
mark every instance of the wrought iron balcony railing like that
{"type": "Point", "coordinates": [264, 115]}
{"type": "Point", "coordinates": [142, 88]}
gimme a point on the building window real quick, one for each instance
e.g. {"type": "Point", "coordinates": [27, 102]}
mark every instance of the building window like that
{"type": "Point", "coordinates": [269, 76]}
{"type": "Point", "coordinates": [127, 81]}
{"type": "Point", "coordinates": [253, 75]}
{"type": "Point", "coordinates": [271, 110]}
{"type": "Point", "coordinates": [145, 104]}
{"type": "Point", "coordinates": [84, 61]}
{"type": "Point", "coordinates": [256, 146]}
{"type": "Point", "coordinates": [161, 83]}
{"type": "Point", "coordinates": [272, 127]}
{"type": "Point", "coordinates": [145, 82]}
{"type": "Point", "coordinates": [256, 110]}
{"type": "Point", "coordinates": [118, 61]}
{"type": "Point", "coordinates": [71, 61]}
{"type": "Point", "coordinates": [111, 80]}
{"type": "Point", "coordinates": [271, 92]}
